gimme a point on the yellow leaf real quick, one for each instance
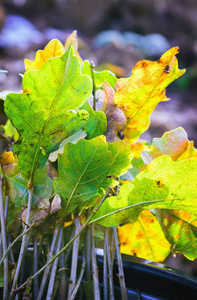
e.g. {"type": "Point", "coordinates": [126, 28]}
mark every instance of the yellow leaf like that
{"type": "Point", "coordinates": [144, 238]}
{"type": "Point", "coordinates": [138, 95]}
{"type": "Point", "coordinates": [7, 158]}
{"type": "Point", "coordinates": [53, 49]}
{"type": "Point", "coordinates": [72, 38]}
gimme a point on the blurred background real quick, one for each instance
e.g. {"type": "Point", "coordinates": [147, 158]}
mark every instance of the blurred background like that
{"type": "Point", "coordinates": [114, 34]}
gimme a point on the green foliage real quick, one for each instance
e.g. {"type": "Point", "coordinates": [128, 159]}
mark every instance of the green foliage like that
{"type": "Point", "coordinates": [53, 120]}
{"type": "Point", "coordinates": [42, 113]}
{"type": "Point", "coordinates": [84, 170]}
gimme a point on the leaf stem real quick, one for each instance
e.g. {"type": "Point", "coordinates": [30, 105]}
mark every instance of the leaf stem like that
{"type": "Point", "coordinates": [96, 207]}
{"type": "Point", "coordinates": [121, 277]}
{"type": "Point", "coordinates": [4, 243]}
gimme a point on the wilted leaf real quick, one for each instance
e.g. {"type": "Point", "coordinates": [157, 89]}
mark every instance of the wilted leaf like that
{"type": "Point", "coordinates": [84, 168]}
{"type": "Point", "coordinates": [144, 238]}
{"type": "Point", "coordinates": [173, 143]}
{"type": "Point", "coordinates": [53, 49]}
{"type": "Point", "coordinates": [17, 185]}
{"type": "Point", "coordinates": [180, 229]}
{"type": "Point", "coordinates": [56, 204]}
{"type": "Point", "coordinates": [163, 184]}
{"type": "Point", "coordinates": [96, 124]}
{"type": "Point", "coordinates": [116, 119]}
{"type": "Point", "coordinates": [138, 95]}
{"type": "Point", "coordinates": [37, 216]}
{"type": "Point", "coordinates": [42, 113]}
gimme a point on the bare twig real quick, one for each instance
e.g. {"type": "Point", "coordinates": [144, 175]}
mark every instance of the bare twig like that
{"type": "Point", "coordinates": [4, 243]}
{"type": "Point", "coordinates": [72, 297]}
{"type": "Point", "coordinates": [105, 273]}
{"type": "Point", "coordinates": [54, 268]}
{"type": "Point", "coordinates": [95, 269]}
{"type": "Point", "coordinates": [110, 274]}
{"type": "Point", "coordinates": [123, 289]}
{"type": "Point", "coordinates": [47, 270]}
{"type": "Point", "coordinates": [23, 244]}
{"type": "Point", "coordinates": [14, 242]}
{"type": "Point", "coordinates": [35, 263]}
{"type": "Point", "coordinates": [67, 246]}
{"type": "Point", "coordinates": [73, 273]}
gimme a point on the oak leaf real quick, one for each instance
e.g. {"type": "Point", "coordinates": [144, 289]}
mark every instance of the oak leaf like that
{"type": "Point", "coordinates": [144, 238]}
{"type": "Point", "coordinates": [138, 95]}
{"type": "Point", "coordinates": [53, 49]}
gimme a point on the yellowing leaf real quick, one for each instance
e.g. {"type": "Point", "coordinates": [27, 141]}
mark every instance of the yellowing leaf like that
{"type": "Point", "coordinates": [138, 95]}
{"type": "Point", "coordinates": [144, 238]}
{"type": "Point", "coordinates": [173, 143]}
{"type": "Point", "coordinates": [7, 158]}
{"type": "Point", "coordinates": [53, 49]}
{"type": "Point", "coordinates": [190, 152]}
{"type": "Point", "coordinates": [180, 229]}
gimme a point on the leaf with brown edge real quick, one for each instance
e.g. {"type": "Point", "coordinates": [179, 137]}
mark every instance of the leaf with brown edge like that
{"type": "Point", "coordinates": [138, 95]}
{"type": "Point", "coordinates": [173, 143]}
{"type": "Point", "coordinates": [144, 238]}
{"type": "Point", "coordinates": [53, 49]}
{"type": "Point", "coordinates": [116, 119]}
{"type": "Point", "coordinates": [180, 229]}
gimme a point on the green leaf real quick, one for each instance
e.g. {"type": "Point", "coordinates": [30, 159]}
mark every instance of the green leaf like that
{"type": "Point", "coordinates": [42, 113]}
{"type": "Point", "coordinates": [84, 169]}
{"type": "Point", "coordinates": [99, 77]}
{"type": "Point", "coordinates": [96, 124]}
{"type": "Point", "coordinates": [71, 139]}
{"type": "Point", "coordinates": [162, 184]}
{"type": "Point", "coordinates": [17, 185]}
{"type": "Point", "coordinates": [180, 229]}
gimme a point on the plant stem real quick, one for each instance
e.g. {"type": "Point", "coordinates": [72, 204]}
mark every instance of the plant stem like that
{"type": "Point", "coordinates": [95, 269]}
{"type": "Point", "coordinates": [47, 270]}
{"type": "Point", "coordinates": [54, 268]}
{"type": "Point", "coordinates": [110, 274]}
{"type": "Point", "coordinates": [72, 297]}
{"type": "Point", "coordinates": [62, 271]}
{"type": "Point", "coordinates": [35, 263]}
{"type": "Point", "coordinates": [14, 242]}
{"type": "Point", "coordinates": [88, 251]}
{"type": "Point", "coordinates": [105, 273]}
{"type": "Point", "coordinates": [123, 289]}
{"type": "Point", "coordinates": [23, 244]}
{"type": "Point", "coordinates": [4, 243]}
{"type": "Point", "coordinates": [73, 274]}
{"type": "Point", "coordinates": [96, 207]}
